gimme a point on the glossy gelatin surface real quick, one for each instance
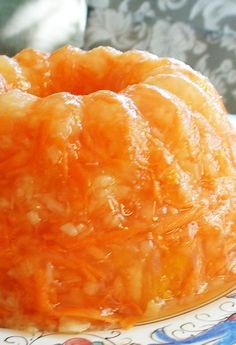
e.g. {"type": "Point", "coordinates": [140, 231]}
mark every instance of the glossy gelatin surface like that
{"type": "Point", "coordinates": [117, 188]}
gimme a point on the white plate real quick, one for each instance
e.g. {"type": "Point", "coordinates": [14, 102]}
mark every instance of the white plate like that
{"type": "Point", "coordinates": [213, 323]}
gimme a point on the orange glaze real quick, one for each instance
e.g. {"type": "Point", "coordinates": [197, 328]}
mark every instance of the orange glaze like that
{"type": "Point", "coordinates": [118, 188]}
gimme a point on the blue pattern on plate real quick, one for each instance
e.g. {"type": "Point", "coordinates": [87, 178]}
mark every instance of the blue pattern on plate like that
{"type": "Point", "coordinates": [224, 333]}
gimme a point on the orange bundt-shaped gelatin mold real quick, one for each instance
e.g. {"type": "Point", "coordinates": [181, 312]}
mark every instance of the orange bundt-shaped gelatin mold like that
{"type": "Point", "coordinates": [118, 188]}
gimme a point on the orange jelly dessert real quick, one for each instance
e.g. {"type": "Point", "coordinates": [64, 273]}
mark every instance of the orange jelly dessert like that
{"type": "Point", "coordinates": [117, 189]}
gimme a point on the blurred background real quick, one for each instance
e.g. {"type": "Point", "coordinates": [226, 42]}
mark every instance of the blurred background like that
{"type": "Point", "coordinates": [200, 32]}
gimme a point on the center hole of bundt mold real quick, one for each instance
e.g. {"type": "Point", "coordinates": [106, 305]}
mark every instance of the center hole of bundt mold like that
{"type": "Point", "coordinates": [79, 72]}
{"type": "Point", "coordinates": [84, 72]}
{"type": "Point", "coordinates": [86, 82]}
